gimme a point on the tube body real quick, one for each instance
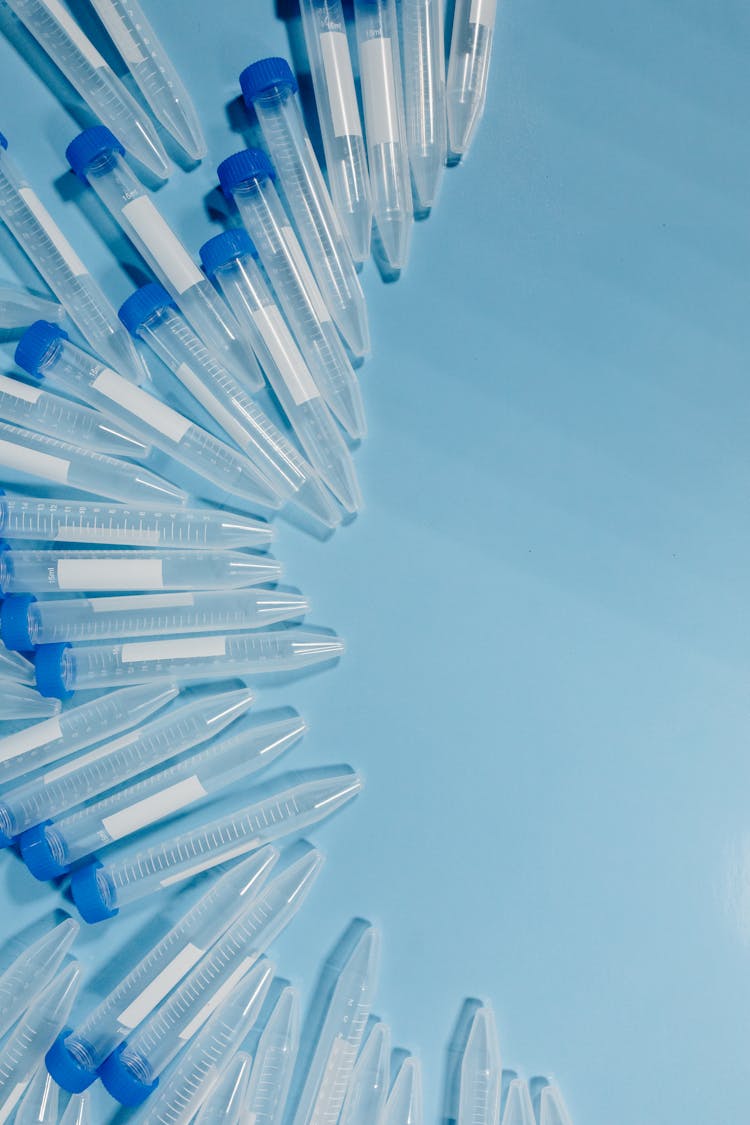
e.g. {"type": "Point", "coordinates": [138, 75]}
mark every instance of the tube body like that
{"type": "Point", "coordinates": [468, 70]}
{"type": "Point", "coordinates": [424, 95]}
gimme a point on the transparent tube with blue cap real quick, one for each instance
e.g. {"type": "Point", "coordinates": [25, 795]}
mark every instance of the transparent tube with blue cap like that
{"type": "Point", "coordinates": [230, 260]}
{"type": "Point", "coordinates": [23, 571]}
{"type": "Point", "coordinates": [385, 125]}
{"type": "Point", "coordinates": [119, 525]}
{"type": "Point", "coordinates": [340, 123]}
{"type": "Point", "coordinates": [58, 462]}
{"type": "Point", "coordinates": [60, 737]}
{"type": "Point", "coordinates": [41, 239]}
{"type": "Point", "coordinates": [63, 669]}
{"type": "Point", "coordinates": [424, 95]}
{"type": "Point", "coordinates": [270, 88]}
{"type": "Point", "coordinates": [230, 759]}
{"type": "Point", "coordinates": [133, 1071]}
{"type": "Point", "coordinates": [28, 622]}
{"type": "Point", "coordinates": [46, 353]}
{"type": "Point", "coordinates": [97, 158]}
{"type": "Point", "coordinates": [189, 723]}
{"type": "Point", "coordinates": [196, 1073]}
{"type": "Point", "coordinates": [58, 417]}
{"type": "Point", "coordinates": [468, 70]}
{"type": "Point", "coordinates": [247, 179]}
{"type": "Point", "coordinates": [100, 890]}
{"type": "Point", "coordinates": [151, 315]}
{"type": "Point", "coordinates": [78, 1053]}
{"type": "Point", "coordinates": [153, 72]}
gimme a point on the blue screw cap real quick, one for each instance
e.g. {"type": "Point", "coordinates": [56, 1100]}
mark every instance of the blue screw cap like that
{"type": "Point", "coordinates": [93, 893]}
{"type": "Point", "coordinates": [119, 1081]}
{"type": "Point", "coordinates": [265, 74]}
{"type": "Point", "coordinates": [226, 247]}
{"type": "Point", "coordinates": [37, 854]}
{"type": "Point", "coordinates": [3, 141]}
{"type": "Point", "coordinates": [36, 344]}
{"type": "Point", "coordinates": [88, 146]}
{"type": "Point", "coordinates": [48, 664]}
{"type": "Point", "coordinates": [65, 1069]}
{"type": "Point", "coordinates": [14, 622]}
{"type": "Point", "coordinates": [250, 164]}
{"type": "Point", "coordinates": [142, 304]}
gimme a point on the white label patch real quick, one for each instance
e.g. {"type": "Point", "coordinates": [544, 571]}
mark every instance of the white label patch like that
{"type": "Point", "coordinates": [155, 992]}
{"type": "Point", "coordinates": [30, 739]}
{"type": "Point", "coordinates": [16, 389]}
{"type": "Point", "coordinates": [342, 96]}
{"type": "Point", "coordinates": [48, 224]}
{"type": "Point", "coordinates": [110, 574]}
{"type": "Point", "coordinates": [221, 993]}
{"type": "Point", "coordinates": [123, 38]}
{"type": "Point", "coordinates": [143, 405]}
{"type": "Point", "coordinates": [35, 462]}
{"type": "Point", "coordinates": [140, 601]}
{"type": "Point", "coordinates": [103, 534]}
{"type": "Point", "coordinates": [379, 91]}
{"type": "Point", "coordinates": [154, 230]}
{"type": "Point", "coordinates": [483, 11]}
{"type": "Point", "coordinates": [153, 808]}
{"type": "Point", "coordinates": [285, 353]}
{"type": "Point", "coordinates": [71, 29]}
{"type": "Point", "coordinates": [215, 407]}
{"type": "Point", "coordinates": [212, 861]}
{"type": "Point", "coordinates": [175, 648]}
{"type": "Point", "coordinates": [309, 284]}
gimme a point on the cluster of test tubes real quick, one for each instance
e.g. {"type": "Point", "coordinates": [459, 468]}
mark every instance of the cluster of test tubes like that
{"type": "Point", "coordinates": [202, 1029]}
{"type": "Point", "coordinates": [141, 476]}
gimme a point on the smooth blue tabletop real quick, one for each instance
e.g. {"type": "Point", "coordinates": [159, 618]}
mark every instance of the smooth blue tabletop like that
{"type": "Point", "coordinates": [545, 598]}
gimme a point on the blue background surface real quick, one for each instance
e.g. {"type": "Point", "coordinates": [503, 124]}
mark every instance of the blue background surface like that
{"type": "Point", "coordinates": [545, 598]}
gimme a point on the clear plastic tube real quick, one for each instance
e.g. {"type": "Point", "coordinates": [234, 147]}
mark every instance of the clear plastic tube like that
{"type": "Point", "coordinates": [223, 1106]}
{"type": "Point", "coordinates": [15, 667]}
{"type": "Point", "coordinates": [468, 70]}
{"type": "Point", "coordinates": [56, 620]}
{"type": "Point", "coordinates": [59, 462]}
{"type": "Point", "coordinates": [269, 87]}
{"type": "Point", "coordinates": [385, 125]}
{"type": "Point", "coordinates": [97, 157]}
{"type": "Point", "coordinates": [404, 1105]}
{"type": "Point", "coordinates": [33, 970]}
{"type": "Point", "coordinates": [78, 1053]}
{"type": "Point", "coordinates": [78, 1111]}
{"type": "Point", "coordinates": [156, 1042]}
{"type": "Point", "coordinates": [481, 1072]}
{"type": "Point", "coordinates": [187, 724]}
{"type": "Point", "coordinates": [78, 727]}
{"type": "Point", "coordinates": [229, 760]}
{"type": "Point", "coordinates": [370, 1080]}
{"type": "Point", "coordinates": [58, 417]}
{"type": "Point", "coordinates": [61, 37]}
{"type": "Point", "coordinates": [151, 315]}
{"type": "Point", "coordinates": [40, 1102]}
{"type": "Point", "coordinates": [340, 123]}
{"type": "Point", "coordinates": [247, 179]}
{"type": "Point", "coordinates": [19, 309]}
{"type": "Point", "coordinates": [20, 702]}
{"type": "Point", "coordinates": [552, 1108]}
{"type": "Point", "coordinates": [424, 95]}
{"type": "Point", "coordinates": [153, 72]}
{"type": "Point", "coordinates": [241, 283]}
{"type": "Point", "coordinates": [64, 669]}
{"type": "Point", "coordinates": [196, 1073]}
{"type": "Point", "coordinates": [140, 873]}
{"type": "Point", "coordinates": [45, 353]}
{"type": "Point", "coordinates": [24, 1048]}
{"type": "Point", "coordinates": [45, 244]}
{"type": "Point", "coordinates": [275, 1057]}
{"type": "Point", "coordinates": [23, 571]}
{"type": "Point", "coordinates": [340, 1037]}
{"type": "Point", "coordinates": [518, 1108]}
{"type": "Point", "coordinates": [113, 525]}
